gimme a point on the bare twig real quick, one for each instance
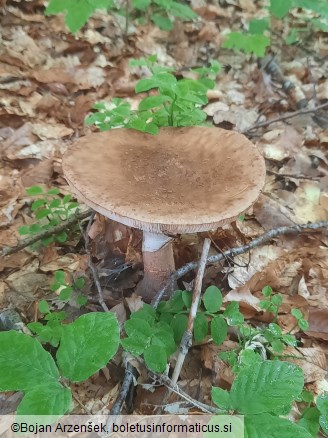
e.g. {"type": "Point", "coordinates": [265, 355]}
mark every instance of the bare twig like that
{"type": "Point", "coordinates": [186, 340]}
{"type": "Point", "coordinates": [271, 234]}
{"type": "Point", "coordinates": [285, 117]}
{"type": "Point", "coordinates": [125, 387]}
{"type": "Point", "coordinates": [92, 266]}
{"type": "Point", "coordinates": [47, 233]}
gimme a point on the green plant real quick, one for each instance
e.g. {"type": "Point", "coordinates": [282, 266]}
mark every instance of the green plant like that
{"type": "Point", "coordinates": [260, 31]}
{"type": "Point", "coordinates": [85, 346]}
{"type": "Point", "coordinates": [176, 102]}
{"type": "Point", "coordinates": [263, 393]}
{"type": "Point", "coordinates": [258, 344]}
{"type": "Point", "coordinates": [161, 12]}
{"type": "Point", "coordinates": [50, 209]}
{"type": "Point", "coordinates": [155, 333]}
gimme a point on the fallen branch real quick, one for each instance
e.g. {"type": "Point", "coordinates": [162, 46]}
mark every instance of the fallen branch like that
{"type": "Point", "coordinates": [91, 265]}
{"type": "Point", "coordinates": [186, 340]}
{"type": "Point", "coordinates": [285, 117]}
{"type": "Point", "coordinates": [130, 373]}
{"type": "Point", "coordinates": [271, 234]}
{"type": "Point", "coordinates": [47, 233]}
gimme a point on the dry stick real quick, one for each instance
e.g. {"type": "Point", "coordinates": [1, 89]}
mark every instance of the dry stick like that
{"type": "Point", "coordinates": [125, 387]}
{"type": "Point", "coordinates": [186, 340]}
{"type": "Point", "coordinates": [271, 234]}
{"type": "Point", "coordinates": [92, 266]}
{"type": "Point", "coordinates": [285, 117]}
{"type": "Point", "coordinates": [47, 233]}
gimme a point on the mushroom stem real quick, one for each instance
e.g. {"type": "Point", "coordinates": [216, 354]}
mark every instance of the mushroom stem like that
{"type": "Point", "coordinates": [158, 264]}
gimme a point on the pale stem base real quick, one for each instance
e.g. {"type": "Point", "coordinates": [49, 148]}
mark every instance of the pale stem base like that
{"type": "Point", "coordinates": [158, 264]}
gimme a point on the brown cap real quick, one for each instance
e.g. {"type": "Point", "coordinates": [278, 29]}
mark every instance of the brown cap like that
{"type": "Point", "coordinates": [182, 180]}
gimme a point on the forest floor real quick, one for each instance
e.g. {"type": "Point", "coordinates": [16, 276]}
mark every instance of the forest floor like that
{"type": "Point", "coordinates": [49, 81]}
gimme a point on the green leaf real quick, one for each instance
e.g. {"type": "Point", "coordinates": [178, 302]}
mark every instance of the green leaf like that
{"type": "Point", "coordinates": [266, 387]}
{"type": "Point", "coordinates": [142, 5]}
{"type": "Point", "coordinates": [275, 329]}
{"type": "Point", "coordinates": [289, 340]}
{"type": "Point", "coordinates": [66, 199]}
{"type": "Point", "coordinates": [322, 405]}
{"type": "Point", "coordinates": [24, 364]}
{"type": "Point", "coordinates": [234, 317]}
{"type": "Point", "coordinates": [160, 80]}
{"type": "Point", "coordinates": [155, 358]}
{"type": "Point", "coordinates": [182, 11]}
{"type": "Point", "coordinates": [153, 102]}
{"type": "Point", "coordinates": [138, 328]}
{"type": "Point", "coordinates": [55, 203]}
{"type": "Point", "coordinates": [163, 22]}
{"type": "Point", "coordinates": [37, 204]}
{"type": "Point", "coordinates": [266, 425]}
{"type": "Point", "coordinates": [167, 340]}
{"type": "Point", "coordinates": [87, 345]}
{"type": "Point", "coordinates": [276, 299]}
{"type": "Point", "coordinates": [187, 298]}
{"type": "Point", "coordinates": [175, 304]}
{"type": "Point", "coordinates": [66, 293]}
{"type": "Point", "coordinates": [200, 327]}
{"type": "Point", "coordinates": [310, 421]}
{"type": "Point", "coordinates": [277, 346]}
{"type": "Point", "coordinates": [179, 326]}
{"type": "Point", "coordinates": [79, 283]}
{"type": "Point", "coordinates": [34, 190]}
{"type": "Point", "coordinates": [221, 398]}
{"type": "Point", "coordinates": [47, 399]}
{"type": "Point", "coordinates": [212, 299]}
{"type": "Point", "coordinates": [23, 230]}
{"type": "Point", "coordinates": [60, 277]}
{"type": "Point", "coordinates": [44, 306]}
{"type": "Point", "coordinates": [280, 8]}
{"type": "Point", "coordinates": [144, 315]}
{"type": "Point", "coordinates": [61, 237]}
{"type": "Point", "coordinates": [297, 313]}
{"type": "Point", "coordinates": [249, 357]}
{"type": "Point", "coordinates": [267, 291]}
{"type": "Point", "coordinates": [81, 300]}
{"type": "Point", "coordinates": [134, 346]}
{"type": "Point", "coordinates": [53, 191]}
{"type": "Point", "coordinates": [219, 330]}
{"type": "Point", "coordinates": [258, 26]}
{"type": "Point", "coordinates": [255, 44]}
{"type": "Point", "coordinates": [43, 212]}
{"type": "Point", "coordinates": [303, 324]}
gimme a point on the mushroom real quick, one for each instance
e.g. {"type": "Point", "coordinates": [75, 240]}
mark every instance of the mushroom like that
{"type": "Point", "coordinates": [183, 180]}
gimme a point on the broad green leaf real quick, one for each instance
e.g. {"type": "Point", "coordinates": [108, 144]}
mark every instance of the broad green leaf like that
{"type": "Point", "coordinates": [47, 399]}
{"type": "Point", "coordinates": [250, 44]}
{"type": "Point", "coordinates": [87, 345]}
{"type": "Point", "coordinates": [46, 333]}
{"type": "Point", "coordinates": [182, 11]}
{"type": "Point", "coordinates": [67, 198]}
{"type": "Point", "coordinates": [60, 277]}
{"type": "Point", "coordinates": [212, 299]}
{"type": "Point", "coordinates": [258, 26]}
{"type": "Point", "coordinates": [163, 22]}
{"type": "Point", "coordinates": [24, 364]}
{"type": "Point", "coordinates": [234, 317]}
{"type": "Point", "coordinates": [44, 306]}
{"type": "Point", "coordinates": [61, 237]}
{"type": "Point", "coordinates": [55, 203]}
{"type": "Point", "coordinates": [141, 4]}
{"type": "Point", "coordinates": [187, 298]}
{"type": "Point", "coordinates": [37, 204]}
{"type": "Point", "coordinates": [155, 358]}
{"type": "Point", "coordinates": [266, 425]}
{"type": "Point", "coordinates": [267, 291]}
{"type": "Point", "coordinates": [277, 346]}
{"type": "Point", "coordinates": [167, 339]}
{"type": "Point", "coordinates": [23, 230]}
{"type": "Point", "coordinates": [200, 327]}
{"type": "Point", "coordinates": [34, 190]}
{"type": "Point", "coordinates": [219, 330]}
{"type": "Point", "coordinates": [280, 8]}
{"type": "Point", "coordinates": [310, 420]}
{"type": "Point", "coordinates": [276, 299]}
{"type": "Point", "coordinates": [179, 326]}
{"type": "Point", "coordinates": [221, 398]}
{"type": "Point", "coordinates": [160, 80]}
{"type": "Point", "coordinates": [144, 316]}
{"type": "Point", "coordinates": [43, 212]}
{"type": "Point", "coordinates": [79, 283]}
{"type": "Point", "coordinates": [303, 324]}
{"type": "Point", "coordinates": [65, 293]}
{"type": "Point", "coordinates": [53, 191]}
{"type": "Point", "coordinates": [266, 387]}
{"type": "Point", "coordinates": [275, 329]}
{"type": "Point", "coordinates": [134, 346]}
{"type": "Point", "coordinates": [175, 304]}
{"type": "Point", "coordinates": [297, 313]}
{"type": "Point", "coordinates": [81, 300]}
{"type": "Point", "coordinates": [322, 405]}
{"type": "Point", "coordinates": [138, 328]}
{"type": "Point", "coordinates": [153, 102]}
{"type": "Point", "coordinates": [248, 357]}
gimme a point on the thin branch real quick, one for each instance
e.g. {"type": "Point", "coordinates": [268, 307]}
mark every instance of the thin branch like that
{"type": "Point", "coordinates": [186, 340]}
{"type": "Point", "coordinates": [271, 234]}
{"type": "Point", "coordinates": [47, 233]}
{"type": "Point", "coordinates": [125, 387]}
{"type": "Point", "coordinates": [285, 117]}
{"type": "Point", "coordinates": [92, 266]}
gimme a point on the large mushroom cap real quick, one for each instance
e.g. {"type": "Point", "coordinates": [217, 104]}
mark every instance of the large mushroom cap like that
{"type": "Point", "coordinates": [181, 180]}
